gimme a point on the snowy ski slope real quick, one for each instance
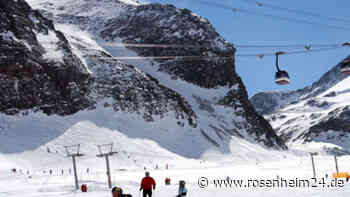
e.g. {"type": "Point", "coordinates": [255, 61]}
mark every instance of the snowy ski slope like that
{"type": "Point", "coordinates": [292, 167]}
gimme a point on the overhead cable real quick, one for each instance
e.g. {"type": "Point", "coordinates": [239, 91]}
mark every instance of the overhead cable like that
{"type": "Point", "coordinates": [233, 9]}
{"type": "Point", "coordinates": [261, 55]}
{"type": "Point", "coordinates": [155, 45]}
{"type": "Point", "coordinates": [296, 11]}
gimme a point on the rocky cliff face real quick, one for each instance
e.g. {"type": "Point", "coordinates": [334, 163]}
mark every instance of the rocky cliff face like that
{"type": "Point", "coordinates": [41, 72]}
{"type": "Point", "coordinates": [165, 24]}
{"type": "Point", "coordinates": [133, 91]}
{"type": "Point", "coordinates": [38, 70]}
{"type": "Point", "coordinates": [203, 96]}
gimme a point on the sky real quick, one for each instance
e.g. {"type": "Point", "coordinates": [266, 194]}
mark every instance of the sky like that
{"type": "Point", "coordinates": [244, 29]}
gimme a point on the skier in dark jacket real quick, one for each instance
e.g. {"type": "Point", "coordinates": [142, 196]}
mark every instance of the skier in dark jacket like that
{"type": "Point", "coordinates": [182, 189]}
{"type": "Point", "coordinates": [146, 185]}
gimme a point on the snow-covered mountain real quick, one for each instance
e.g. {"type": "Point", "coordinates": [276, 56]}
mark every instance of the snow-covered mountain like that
{"type": "Point", "coordinates": [66, 86]}
{"type": "Point", "coordinates": [316, 116]}
{"type": "Point", "coordinates": [269, 102]}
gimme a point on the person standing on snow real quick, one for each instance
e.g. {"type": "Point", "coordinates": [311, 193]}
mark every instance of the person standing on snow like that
{"type": "Point", "coordinates": [146, 185]}
{"type": "Point", "coordinates": [182, 189]}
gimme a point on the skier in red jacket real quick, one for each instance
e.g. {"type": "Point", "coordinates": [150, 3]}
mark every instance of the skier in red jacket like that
{"type": "Point", "coordinates": [146, 185]}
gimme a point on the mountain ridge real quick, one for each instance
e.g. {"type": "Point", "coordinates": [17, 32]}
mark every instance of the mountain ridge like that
{"type": "Point", "coordinates": [172, 96]}
{"type": "Point", "coordinates": [317, 114]}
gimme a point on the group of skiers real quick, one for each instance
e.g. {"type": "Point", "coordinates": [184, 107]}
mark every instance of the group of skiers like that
{"type": "Point", "coordinates": [148, 184]}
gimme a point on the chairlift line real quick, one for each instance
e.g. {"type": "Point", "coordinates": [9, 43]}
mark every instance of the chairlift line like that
{"type": "Point", "coordinates": [233, 9]}
{"type": "Point", "coordinates": [281, 76]}
{"type": "Point", "coordinates": [296, 11]}
{"type": "Point", "coordinates": [218, 57]}
{"type": "Point", "coordinates": [134, 45]}
{"type": "Point", "coordinates": [261, 55]}
{"type": "Point", "coordinates": [289, 46]}
{"type": "Point", "coordinates": [164, 57]}
{"type": "Point", "coordinates": [289, 19]}
{"type": "Point", "coordinates": [149, 45]}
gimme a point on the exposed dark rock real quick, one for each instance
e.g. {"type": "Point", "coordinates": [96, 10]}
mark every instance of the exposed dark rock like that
{"type": "Point", "coordinates": [256, 124]}
{"type": "Point", "coordinates": [331, 94]}
{"type": "Point", "coordinates": [209, 138]}
{"type": "Point", "coordinates": [30, 80]}
{"type": "Point", "coordinates": [164, 24]}
{"type": "Point", "coordinates": [204, 104]}
{"type": "Point", "coordinates": [337, 121]}
{"type": "Point", "coordinates": [315, 116]}
{"type": "Point", "coordinates": [316, 103]}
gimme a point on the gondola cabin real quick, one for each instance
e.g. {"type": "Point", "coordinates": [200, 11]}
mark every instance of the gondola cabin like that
{"type": "Point", "coordinates": [282, 78]}
{"type": "Point", "coordinates": [345, 67]}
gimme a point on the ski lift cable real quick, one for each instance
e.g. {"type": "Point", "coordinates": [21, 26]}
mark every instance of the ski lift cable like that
{"type": "Point", "coordinates": [233, 9]}
{"type": "Point", "coordinates": [192, 58]}
{"type": "Point", "coordinates": [289, 52]}
{"type": "Point", "coordinates": [288, 46]}
{"type": "Point", "coordinates": [203, 46]}
{"type": "Point", "coordinates": [165, 57]}
{"type": "Point", "coordinates": [230, 57]}
{"type": "Point", "coordinates": [143, 154]}
{"type": "Point", "coordinates": [220, 57]}
{"type": "Point", "coordinates": [198, 46]}
{"type": "Point", "coordinates": [307, 50]}
{"type": "Point", "coordinates": [135, 45]}
{"type": "Point", "coordinates": [290, 19]}
{"type": "Point", "coordinates": [296, 11]}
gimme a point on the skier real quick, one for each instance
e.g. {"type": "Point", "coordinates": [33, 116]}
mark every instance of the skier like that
{"type": "Point", "coordinates": [84, 188]}
{"type": "Point", "coordinates": [182, 189]}
{"type": "Point", "coordinates": [118, 192]}
{"type": "Point", "coordinates": [146, 185]}
{"type": "Point", "coordinates": [167, 181]}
